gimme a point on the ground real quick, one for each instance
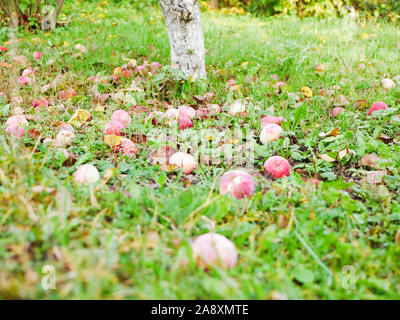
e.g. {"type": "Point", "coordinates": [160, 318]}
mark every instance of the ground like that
{"type": "Point", "coordinates": [129, 237]}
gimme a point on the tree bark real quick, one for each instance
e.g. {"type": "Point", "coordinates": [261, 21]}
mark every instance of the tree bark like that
{"type": "Point", "coordinates": [11, 12]}
{"type": "Point", "coordinates": [214, 4]}
{"type": "Point", "coordinates": [182, 18]}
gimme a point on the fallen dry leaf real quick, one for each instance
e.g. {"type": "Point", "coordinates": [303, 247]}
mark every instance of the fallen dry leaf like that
{"type": "Point", "coordinates": [138, 109]}
{"type": "Point", "coordinates": [162, 155]}
{"type": "Point", "coordinates": [326, 158]}
{"type": "Point", "coordinates": [385, 138]}
{"type": "Point", "coordinates": [112, 140]}
{"type": "Point", "coordinates": [207, 97]}
{"type": "Point", "coordinates": [333, 133]}
{"type": "Point", "coordinates": [307, 92]}
{"type": "Point", "coordinates": [80, 117]}
{"type": "Point", "coordinates": [139, 138]}
{"type": "Point", "coordinates": [374, 177]}
{"type": "Point", "coordinates": [397, 236]}
{"type": "Point", "coordinates": [370, 160]}
{"type": "Point", "coordinates": [345, 152]}
{"type": "Point", "coordinates": [282, 221]}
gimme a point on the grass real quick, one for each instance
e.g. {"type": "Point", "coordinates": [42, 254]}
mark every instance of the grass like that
{"type": "Point", "coordinates": [294, 240]}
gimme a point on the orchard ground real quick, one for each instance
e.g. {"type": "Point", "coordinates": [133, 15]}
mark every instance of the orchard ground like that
{"type": "Point", "coordinates": [131, 237]}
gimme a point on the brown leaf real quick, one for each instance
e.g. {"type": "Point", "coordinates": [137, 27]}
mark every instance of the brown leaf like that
{"type": "Point", "coordinates": [333, 133]}
{"type": "Point", "coordinates": [154, 103]}
{"type": "Point", "coordinates": [207, 97]}
{"type": "Point", "coordinates": [282, 221]}
{"type": "Point", "coordinates": [162, 155]}
{"type": "Point", "coordinates": [397, 236]}
{"type": "Point", "coordinates": [102, 98]}
{"type": "Point", "coordinates": [70, 158]}
{"type": "Point", "coordinates": [345, 152]}
{"type": "Point", "coordinates": [326, 158]}
{"type": "Point", "coordinates": [385, 138]}
{"type": "Point", "coordinates": [138, 109]}
{"type": "Point", "coordinates": [139, 138]}
{"type": "Point", "coordinates": [374, 177]}
{"type": "Point", "coordinates": [370, 160]}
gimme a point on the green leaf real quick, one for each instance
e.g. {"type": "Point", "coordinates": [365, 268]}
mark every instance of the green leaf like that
{"type": "Point", "coordinates": [303, 275]}
{"type": "Point", "coordinates": [300, 114]}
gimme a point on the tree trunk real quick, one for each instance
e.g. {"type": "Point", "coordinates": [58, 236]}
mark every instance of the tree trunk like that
{"type": "Point", "coordinates": [12, 13]}
{"type": "Point", "coordinates": [214, 4]}
{"type": "Point", "coordinates": [185, 35]}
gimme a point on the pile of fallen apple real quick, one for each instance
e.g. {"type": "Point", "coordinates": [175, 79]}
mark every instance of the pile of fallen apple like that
{"type": "Point", "coordinates": [209, 249]}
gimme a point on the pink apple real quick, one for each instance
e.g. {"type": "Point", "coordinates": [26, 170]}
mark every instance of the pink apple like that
{"type": "Point", "coordinates": [201, 114]}
{"type": "Point", "coordinates": [185, 122]}
{"type": "Point", "coordinates": [18, 120]}
{"type": "Point", "coordinates": [214, 109]}
{"type": "Point", "coordinates": [388, 84]}
{"type": "Point", "coordinates": [126, 73]}
{"type": "Point", "coordinates": [187, 111]}
{"type": "Point", "coordinates": [183, 160]}
{"type": "Point", "coordinates": [172, 113]}
{"type": "Point", "coordinates": [15, 130]}
{"type": "Point", "coordinates": [86, 174]}
{"type": "Point", "coordinates": [238, 183]}
{"type": "Point", "coordinates": [337, 110]}
{"type": "Point", "coordinates": [38, 55]}
{"type": "Point", "coordinates": [39, 103]}
{"type": "Point", "coordinates": [114, 127]}
{"type": "Point", "coordinates": [377, 106]}
{"type": "Point", "coordinates": [270, 132]}
{"type": "Point", "coordinates": [128, 147]}
{"type": "Point", "coordinates": [64, 138]}
{"type": "Point", "coordinates": [28, 72]}
{"type": "Point", "coordinates": [23, 80]}
{"type": "Point", "coordinates": [66, 127]}
{"type": "Point", "coordinates": [156, 117]}
{"type": "Point", "coordinates": [270, 119]}
{"type": "Point", "coordinates": [214, 250]}
{"type": "Point", "coordinates": [277, 167]}
{"type": "Point", "coordinates": [121, 116]}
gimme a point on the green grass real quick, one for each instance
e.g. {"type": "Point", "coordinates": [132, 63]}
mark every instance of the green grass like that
{"type": "Point", "coordinates": [136, 243]}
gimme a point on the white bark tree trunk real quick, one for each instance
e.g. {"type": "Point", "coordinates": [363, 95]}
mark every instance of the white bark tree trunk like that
{"type": "Point", "coordinates": [182, 18]}
{"type": "Point", "coordinates": [214, 4]}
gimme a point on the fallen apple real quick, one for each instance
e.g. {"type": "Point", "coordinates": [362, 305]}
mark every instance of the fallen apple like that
{"type": "Point", "coordinates": [377, 106]}
{"type": "Point", "coordinates": [237, 183]}
{"type": "Point", "coordinates": [277, 167]}
{"type": "Point", "coordinates": [183, 160]}
{"type": "Point", "coordinates": [270, 132]}
{"type": "Point", "coordinates": [86, 174]}
{"type": "Point", "coordinates": [214, 250]}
